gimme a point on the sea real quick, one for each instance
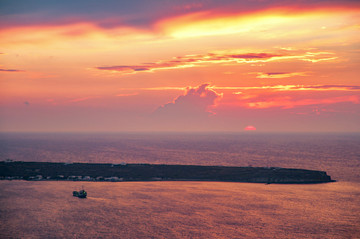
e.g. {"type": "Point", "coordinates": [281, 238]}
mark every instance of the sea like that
{"type": "Point", "coordinates": [47, 209]}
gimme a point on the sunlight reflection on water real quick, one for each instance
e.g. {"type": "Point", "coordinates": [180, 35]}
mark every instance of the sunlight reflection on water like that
{"type": "Point", "coordinates": [47, 209]}
{"type": "Point", "coordinates": [179, 210]}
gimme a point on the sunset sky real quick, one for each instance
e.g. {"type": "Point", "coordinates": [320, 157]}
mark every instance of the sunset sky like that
{"type": "Point", "coordinates": [164, 65]}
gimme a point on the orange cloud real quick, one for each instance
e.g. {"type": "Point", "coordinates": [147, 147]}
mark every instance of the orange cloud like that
{"type": "Point", "coordinates": [287, 102]}
{"type": "Point", "coordinates": [261, 22]}
{"type": "Point", "coordinates": [124, 95]}
{"type": "Point", "coordinates": [235, 89]}
{"type": "Point", "coordinates": [232, 57]}
{"type": "Point", "coordinates": [280, 74]}
{"type": "Point", "coordinates": [190, 61]}
{"type": "Point", "coordinates": [291, 88]}
{"type": "Point", "coordinates": [67, 34]}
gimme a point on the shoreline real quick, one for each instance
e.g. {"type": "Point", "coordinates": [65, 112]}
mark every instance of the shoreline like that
{"type": "Point", "coordinates": [46, 171]}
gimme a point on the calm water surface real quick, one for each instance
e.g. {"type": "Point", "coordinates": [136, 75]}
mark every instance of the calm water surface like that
{"type": "Point", "coordinates": [337, 154]}
{"type": "Point", "coordinates": [47, 209]}
{"type": "Point", "coordinates": [179, 210]}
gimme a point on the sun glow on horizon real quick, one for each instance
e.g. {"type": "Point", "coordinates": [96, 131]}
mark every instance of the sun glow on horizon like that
{"type": "Point", "coordinates": [249, 128]}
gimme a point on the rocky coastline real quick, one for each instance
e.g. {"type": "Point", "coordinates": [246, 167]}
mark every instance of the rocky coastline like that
{"type": "Point", "coordinates": [38, 171]}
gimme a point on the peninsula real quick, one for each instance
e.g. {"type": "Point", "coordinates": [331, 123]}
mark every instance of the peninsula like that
{"type": "Point", "coordinates": [10, 170]}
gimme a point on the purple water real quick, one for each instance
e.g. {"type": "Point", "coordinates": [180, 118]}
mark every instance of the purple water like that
{"type": "Point", "coordinates": [337, 154]}
{"type": "Point", "coordinates": [47, 209]}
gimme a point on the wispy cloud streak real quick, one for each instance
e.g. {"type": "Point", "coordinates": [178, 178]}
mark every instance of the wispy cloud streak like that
{"type": "Point", "coordinates": [266, 87]}
{"type": "Point", "coordinates": [11, 70]}
{"type": "Point", "coordinates": [279, 75]}
{"type": "Point", "coordinates": [221, 58]}
{"type": "Point", "coordinates": [288, 102]}
{"type": "Point", "coordinates": [294, 88]}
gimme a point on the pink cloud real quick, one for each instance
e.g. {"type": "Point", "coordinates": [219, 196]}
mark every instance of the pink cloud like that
{"type": "Point", "coordinates": [81, 99]}
{"type": "Point", "coordinates": [125, 95]}
{"type": "Point", "coordinates": [291, 88]}
{"type": "Point", "coordinates": [198, 60]}
{"type": "Point", "coordinates": [197, 101]}
{"type": "Point", "coordinates": [287, 102]}
{"type": "Point", "coordinates": [188, 61]}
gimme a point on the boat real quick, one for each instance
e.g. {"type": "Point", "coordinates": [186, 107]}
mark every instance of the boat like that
{"type": "Point", "coordinates": [80, 194]}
